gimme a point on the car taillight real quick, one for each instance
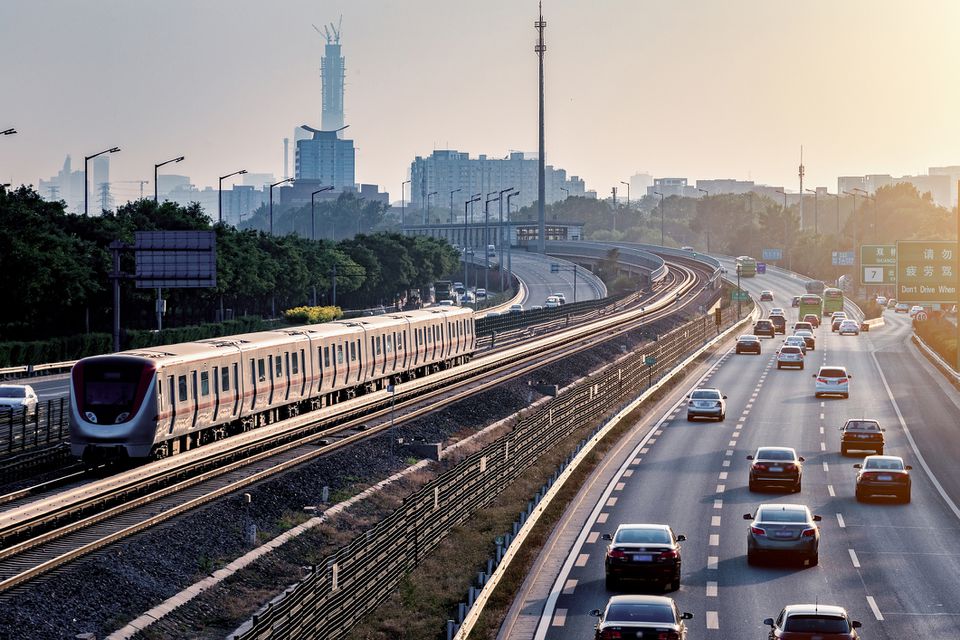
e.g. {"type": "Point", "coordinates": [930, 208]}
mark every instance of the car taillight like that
{"type": "Point", "coordinates": [870, 475]}
{"type": "Point", "coordinates": [789, 467]}
{"type": "Point", "coordinates": [841, 381]}
{"type": "Point", "coordinates": [809, 533]}
{"type": "Point", "coordinates": [611, 634]}
{"type": "Point", "coordinates": [669, 554]}
{"type": "Point", "coordinates": [759, 466]}
{"type": "Point", "coordinates": [616, 553]}
{"type": "Point", "coordinates": [757, 531]}
{"type": "Point", "coordinates": [823, 380]}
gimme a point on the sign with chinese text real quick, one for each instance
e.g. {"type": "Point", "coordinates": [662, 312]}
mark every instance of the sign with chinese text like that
{"type": "Point", "coordinates": [878, 264]}
{"type": "Point", "coordinates": [773, 254]}
{"type": "Point", "coordinates": [926, 272]}
{"type": "Point", "coordinates": [841, 258]}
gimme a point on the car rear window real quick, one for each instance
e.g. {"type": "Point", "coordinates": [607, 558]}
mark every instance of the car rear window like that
{"type": "Point", "coordinates": [781, 515]}
{"type": "Point", "coordinates": [635, 536]}
{"type": "Point", "coordinates": [832, 373]}
{"type": "Point", "coordinates": [789, 349]}
{"type": "Point", "coordinates": [624, 612]}
{"type": "Point", "coordinates": [706, 395]}
{"type": "Point", "coordinates": [883, 464]}
{"type": "Point", "coordinates": [763, 323]}
{"type": "Point", "coordinates": [816, 624]}
{"type": "Point", "coordinates": [749, 339]}
{"type": "Point", "coordinates": [774, 454]}
{"type": "Point", "coordinates": [863, 425]}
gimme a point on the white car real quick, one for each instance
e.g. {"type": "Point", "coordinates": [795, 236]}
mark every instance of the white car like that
{"type": "Point", "coordinates": [561, 297]}
{"type": "Point", "coordinates": [706, 403]}
{"type": "Point", "coordinates": [18, 397]}
{"type": "Point", "coordinates": [789, 356]}
{"type": "Point", "coordinates": [776, 311]}
{"type": "Point", "coordinates": [832, 381]}
{"type": "Point", "coordinates": [914, 310]}
{"type": "Point", "coordinates": [849, 327]}
{"type": "Point", "coordinates": [515, 308]}
{"type": "Point", "coordinates": [901, 307]}
{"type": "Point", "coordinates": [552, 302]}
{"type": "Point", "coordinates": [481, 293]}
{"type": "Point", "coordinates": [796, 341]}
{"type": "Point", "coordinates": [882, 300]}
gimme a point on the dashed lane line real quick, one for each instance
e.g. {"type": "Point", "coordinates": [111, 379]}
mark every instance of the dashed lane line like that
{"type": "Point", "coordinates": [628, 473]}
{"type": "Point", "coordinates": [715, 521]}
{"type": "Point", "coordinates": [582, 560]}
{"type": "Point", "coordinates": [730, 451]}
{"type": "Point", "coordinates": [712, 563]}
{"type": "Point", "coordinates": [732, 443]}
{"type": "Point", "coordinates": [721, 488]}
{"type": "Point", "coordinates": [874, 608]}
{"type": "Point", "coordinates": [611, 502]}
{"type": "Point", "coordinates": [712, 589]}
{"type": "Point", "coordinates": [723, 475]}
{"type": "Point", "coordinates": [854, 559]}
{"type": "Point", "coordinates": [830, 490]}
{"type": "Point", "coordinates": [619, 486]}
{"type": "Point", "coordinates": [560, 618]}
{"type": "Point", "coordinates": [593, 537]}
{"type": "Point", "coordinates": [726, 463]}
{"type": "Point", "coordinates": [602, 518]}
{"type": "Point", "coordinates": [569, 587]}
{"type": "Point", "coordinates": [718, 504]}
{"type": "Point", "coordinates": [826, 467]}
{"type": "Point", "coordinates": [823, 446]}
{"type": "Point", "coordinates": [713, 620]}
{"type": "Point", "coordinates": [843, 525]}
{"type": "Point", "coordinates": [714, 540]}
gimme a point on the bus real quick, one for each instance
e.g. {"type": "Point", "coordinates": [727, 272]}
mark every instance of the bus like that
{"type": "Point", "coordinates": [747, 266]}
{"type": "Point", "coordinates": [832, 301]}
{"type": "Point", "coordinates": [815, 286]}
{"type": "Point", "coordinates": [810, 303]}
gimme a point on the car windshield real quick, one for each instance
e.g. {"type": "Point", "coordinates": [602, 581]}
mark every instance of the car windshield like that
{"type": "Point", "coordinates": [623, 612]}
{"type": "Point", "coordinates": [832, 373]}
{"type": "Point", "coordinates": [862, 425]}
{"type": "Point", "coordinates": [885, 464]}
{"type": "Point", "coordinates": [705, 395]}
{"type": "Point", "coordinates": [816, 624]}
{"type": "Point", "coordinates": [781, 515]}
{"type": "Point", "coordinates": [634, 536]}
{"type": "Point", "coordinates": [774, 454]}
{"type": "Point", "coordinates": [13, 392]}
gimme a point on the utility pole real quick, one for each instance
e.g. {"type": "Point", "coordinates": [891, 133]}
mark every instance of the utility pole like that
{"type": "Point", "coordinates": [540, 48]}
{"type": "Point", "coordinates": [510, 240]}
{"type": "Point", "coordinates": [707, 195]}
{"type": "Point", "coordinates": [500, 235]}
{"type": "Point", "coordinates": [614, 191]}
{"type": "Point", "coordinates": [628, 192]}
{"type": "Point", "coordinates": [451, 204]}
{"type": "Point", "coordinates": [801, 172]}
{"type": "Point", "coordinates": [403, 221]}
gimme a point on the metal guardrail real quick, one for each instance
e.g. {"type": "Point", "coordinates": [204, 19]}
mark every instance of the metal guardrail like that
{"type": "Point", "coordinates": [22, 431]}
{"type": "Point", "coordinates": [352, 581]}
{"type": "Point", "coordinates": [598, 251]}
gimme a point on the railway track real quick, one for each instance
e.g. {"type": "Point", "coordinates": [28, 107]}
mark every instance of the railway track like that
{"type": "Point", "coordinates": [43, 534]}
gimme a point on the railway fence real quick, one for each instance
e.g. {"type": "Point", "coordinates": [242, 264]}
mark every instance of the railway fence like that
{"type": "Point", "coordinates": [356, 578]}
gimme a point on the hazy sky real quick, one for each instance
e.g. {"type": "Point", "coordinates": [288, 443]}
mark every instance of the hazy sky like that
{"type": "Point", "coordinates": [701, 89]}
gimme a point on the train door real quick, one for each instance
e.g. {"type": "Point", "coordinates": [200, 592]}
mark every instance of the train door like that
{"type": "Point", "coordinates": [194, 400]}
{"type": "Point", "coordinates": [172, 402]}
{"type": "Point", "coordinates": [205, 404]}
{"type": "Point", "coordinates": [217, 409]}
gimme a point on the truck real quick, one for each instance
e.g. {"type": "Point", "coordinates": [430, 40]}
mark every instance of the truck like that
{"type": "Point", "coordinates": [443, 290]}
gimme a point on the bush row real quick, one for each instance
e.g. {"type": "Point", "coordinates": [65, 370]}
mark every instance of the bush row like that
{"type": "Point", "coordinates": [940, 335]}
{"type": "Point", "coordinates": [312, 315]}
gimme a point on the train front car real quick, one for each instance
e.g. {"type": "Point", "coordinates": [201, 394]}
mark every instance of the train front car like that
{"type": "Point", "coordinates": [113, 407]}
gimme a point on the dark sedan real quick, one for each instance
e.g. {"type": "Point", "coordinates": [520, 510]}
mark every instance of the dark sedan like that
{"type": "Point", "coordinates": [859, 434]}
{"type": "Point", "coordinates": [777, 466]}
{"type": "Point", "coordinates": [645, 552]}
{"type": "Point", "coordinates": [783, 529]}
{"type": "Point", "coordinates": [764, 328]}
{"type": "Point", "coordinates": [748, 344]}
{"type": "Point", "coordinates": [641, 617]}
{"type": "Point", "coordinates": [806, 621]}
{"type": "Point", "coordinates": [883, 476]}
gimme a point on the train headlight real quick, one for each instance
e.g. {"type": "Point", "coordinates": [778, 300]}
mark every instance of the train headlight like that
{"type": "Point", "coordinates": [91, 417]}
{"type": "Point", "coordinates": [121, 418]}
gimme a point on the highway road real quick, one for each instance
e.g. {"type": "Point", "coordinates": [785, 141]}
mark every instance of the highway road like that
{"type": "Point", "coordinates": [534, 270]}
{"type": "Point", "coordinates": [893, 566]}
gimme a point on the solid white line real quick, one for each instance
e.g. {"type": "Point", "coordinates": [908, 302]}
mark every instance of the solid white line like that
{"type": "Point", "coordinates": [714, 540]}
{"type": "Point", "coordinates": [913, 445]}
{"type": "Point", "coordinates": [713, 620]}
{"type": "Point", "coordinates": [831, 491]}
{"type": "Point", "coordinates": [712, 562]}
{"type": "Point", "coordinates": [843, 525]}
{"type": "Point", "coordinates": [854, 559]}
{"type": "Point", "coordinates": [711, 589]}
{"type": "Point", "coordinates": [826, 467]}
{"type": "Point", "coordinates": [874, 608]}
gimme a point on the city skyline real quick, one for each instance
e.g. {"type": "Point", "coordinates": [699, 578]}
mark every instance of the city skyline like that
{"type": "Point", "coordinates": [221, 67]}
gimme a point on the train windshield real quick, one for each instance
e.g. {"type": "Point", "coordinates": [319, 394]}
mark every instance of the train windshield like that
{"type": "Point", "coordinates": [110, 388]}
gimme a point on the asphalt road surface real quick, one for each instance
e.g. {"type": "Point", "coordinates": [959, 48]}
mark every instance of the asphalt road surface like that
{"type": "Point", "coordinates": [534, 270]}
{"type": "Point", "coordinates": [893, 566]}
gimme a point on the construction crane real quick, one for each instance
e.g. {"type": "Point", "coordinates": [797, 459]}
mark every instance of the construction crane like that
{"type": "Point", "coordinates": [330, 32]}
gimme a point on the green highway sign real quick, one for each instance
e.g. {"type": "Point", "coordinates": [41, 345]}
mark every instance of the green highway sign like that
{"type": "Point", "coordinates": [650, 360]}
{"type": "Point", "coordinates": [878, 264]}
{"type": "Point", "coordinates": [740, 294]}
{"type": "Point", "coordinates": [927, 272]}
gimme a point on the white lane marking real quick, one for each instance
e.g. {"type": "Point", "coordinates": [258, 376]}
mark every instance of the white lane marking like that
{"type": "Point", "coordinates": [821, 416]}
{"type": "Point", "coordinates": [874, 608]}
{"type": "Point", "coordinates": [821, 431]}
{"type": "Point", "coordinates": [732, 443]}
{"type": "Point", "coordinates": [712, 562]}
{"type": "Point", "coordinates": [721, 488]}
{"type": "Point", "coordinates": [741, 419]}
{"type": "Point", "coordinates": [854, 559]}
{"type": "Point", "coordinates": [826, 467]}
{"type": "Point", "coordinates": [644, 450]}
{"type": "Point", "coordinates": [726, 463]}
{"type": "Point", "coordinates": [718, 504]}
{"type": "Point", "coordinates": [830, 490]}
{"type": "Point", "coordinates": [729, 451]}
{"type": "Point", "coordinates": [723, 475]}
{"type": "Point", "coordinates": [569, 587]}
{"type": "Point", "coordinates": [736, 434]}
{"type": "Point", "coordinates": [843, 525]}
{"type": "Point", "coordinates": [913, 445]}
{"type": "Point", "coordinates": [620, 486]}
{"type": "Point", "coordinates": [754, 394]}
{"type": "Point", "coordinates": [714, 540]}
{"type": "Point", "coordinates": [738, 427]}
{"type": "Point", "coordinates": [628, 473]}
{"type": "Point", "coordinates": [823, 446]}
{"type": "Point", "coordinates": [582, 560]}
{"type": "Point", "coordinates": [711, 589]}
{"type": "Point", "coordinates": [560, 618]}
{"type": "Point", "coordinates": [713, 620]}
{"type": "Point", "coordinates": [636, 461]}
{"type": "Point", "coordinates": [746, 411]}
{"type": "Point", "coordinates": [612, 502]}
{"type": "Point", "coordinates": [823, 403]}
{"type": "Point", "coordinates": [659, 432]}
{"type": "Point", "coordinates": [593, 537]}
{"type": "Point", "coordinates": [715, 521]}
{"type": "Point", "coordinates": [602, 518]}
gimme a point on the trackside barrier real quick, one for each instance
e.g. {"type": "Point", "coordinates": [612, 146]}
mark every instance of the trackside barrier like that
{"type": "Point", "coordinates": [356, 578]}
{"type": "Point", "coordinates": [22, 431]}
{"type": "Point", "coordinates": [538, 506]}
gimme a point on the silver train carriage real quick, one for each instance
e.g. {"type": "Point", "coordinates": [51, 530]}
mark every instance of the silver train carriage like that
{"type": "Point", "coordinates": [164, 400]}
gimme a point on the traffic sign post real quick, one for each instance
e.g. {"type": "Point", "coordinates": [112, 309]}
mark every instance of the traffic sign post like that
{"type": "Point", "coordinates": [878, 264]}
{"type": "Point", "coordinates": [927, 272]}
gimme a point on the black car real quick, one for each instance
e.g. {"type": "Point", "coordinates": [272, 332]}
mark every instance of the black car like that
{"type": "Point", "coordinates": [778, 466]}
{"type": "Point", "coordinates": [748, 344]}
{"type": "Point", "coordinates": [860, 434]}
{"type": "Point", "coordinates": [641, 617]}
{"type": "Point", "coordinates": [764, 328]}
{"type": "Point", "coordinates": [883, 476]}
{"type": "Point", "coordinates": [795, 301]}
{"type": "Point", "coordinates": [647, 552]}
{"type": "Point", "coordinates": [779, 324]}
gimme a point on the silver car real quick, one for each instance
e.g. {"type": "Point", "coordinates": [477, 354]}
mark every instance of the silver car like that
{"type": "Point", "coordinates": [783, 529]}
{"type": "Point", "coordinates": [706, 403]}
{"type": "Point", "coordinates": [17, 398]}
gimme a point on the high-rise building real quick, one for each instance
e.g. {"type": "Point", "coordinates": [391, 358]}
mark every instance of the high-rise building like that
{"type": "Point", "coordinates": [447, 170]}
{"type": "Point", "coordinates": [672, 187]}
{"type": "Point", "coordinates": [332, 78]}
{"type": "Point", "coordinates": [326, 158]}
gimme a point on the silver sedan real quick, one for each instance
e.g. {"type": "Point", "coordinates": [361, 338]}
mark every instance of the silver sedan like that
{"type": "Point", "coordinates": [783, 529]}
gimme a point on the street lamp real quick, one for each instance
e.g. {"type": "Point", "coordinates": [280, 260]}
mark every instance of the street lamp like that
{"type": "Point", "coordinates": [427, 220]}
{"type": "Point", "coordinates": [486, 238]}
{"type": "Point", "coordinates": [510, 239]}
{"type": "Point", "coordinates": [500, 234]}
{"type": "Point", "coordinates": [275, 184]}
{"type": "Point", "coordinates": [157, 166]}
{"type": "Point", "coordinates": [816, 210]}
{"type": "Point", "coordinates": [874, 200]}
{"type": "Point", "coordinates": [657, 193]}
{"type": "Point", "coordinates": [628, 192]}
{"type": "Point", "coordinates": [708, 217]}
{"type": "Point", "coordinates": [220, 192]}
{"type": "Point", "coordinates": [451, 204]}
{"type": "Point", "coordinates": [837, 196]}
{"type": "Point", "coordinates": [313, 217]}
{"type": "Point", "coordinates": [86, 183]}
{"type": "Point", "coordinates": [466, 233]}
{"type": "Point", "coordinates": [402, 204]}
{"type": "Point", "coordinates": [566, 191]}
{"type": "Point", "coordinates": [783, 192]}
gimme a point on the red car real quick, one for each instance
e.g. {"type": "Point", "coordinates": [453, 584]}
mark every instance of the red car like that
{"type": "Point", "coordinates": [813, 319]}
{"type": "Point", "coordinates": [805, 621]}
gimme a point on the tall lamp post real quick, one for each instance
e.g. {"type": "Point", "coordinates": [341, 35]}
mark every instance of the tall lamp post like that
{"type": "Point", "coordinates": [816, 210]}
{"type": "Point", "coordinates": [86, 183]}
{"type": "Point", "coordinates": [510, 239]}
{"type": "Point", "coordinates": [275, 184]}
{"type": "Point", "coordinates": [427, 220]}
{"type": "Point", "coordinates": [657, 193]}
{"type": "Point", "coordinates": [313, 219]}
{"type": "Point", "coordinates": [707, 195]}
{"type": "Point", "coordinates": [837, 196]}
{"type": "Point", "coordinates": [403, 220]}
{"type": "Point", "coordinates": [220, 192]}
{"type": "Point", "coordinates": [486, 238]}
{"type": "Point", "coordinates": [628, 192]}
{"type": "Point", "coordinates": [157, 166]}
{"type": "Point", "coordinates": [466, 233]}
{"type": "Point", "coordinates": [783, 192]}
{"type": "Point", "coordinates": [451, 206]}
{"type": "Point", "coordinates": [871, 198]}
{"type": "Point", "coordinates": [500, 233]}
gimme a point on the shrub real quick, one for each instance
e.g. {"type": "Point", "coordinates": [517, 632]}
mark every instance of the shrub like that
{"type": "Point", "coordinates": [312, 315]}
{"type": "Point", "coordinates": [940, 335]}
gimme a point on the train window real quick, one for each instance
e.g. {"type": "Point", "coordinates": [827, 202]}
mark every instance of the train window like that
{"type": "Point", "coordinates": [296, 364]}
{"type": "Point", "coordinates": [225, 379]}
{"type": "Point", "coordinates": [388, 340]}
{"type": "Point", "coordinates": [339, 354]}
{"type": "Point", "coordinates": [279, 366]}
{"type": "Point", "coordinates": [326, 356]}
{"type": "Point", "coordinates": [354, 347]}
{"type": "Point", "coordinates": [204, 383]}
{"type": "Point", "coordinates": [182, 389]}
{"type": "Point", "coordinates": [378, 345]}
{"type": "Point", "coordinates": [261, 370]}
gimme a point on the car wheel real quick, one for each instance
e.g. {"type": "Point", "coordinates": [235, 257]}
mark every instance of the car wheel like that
{"type": "Point", "coordinates": [846, 395]}
{"type": "Point", "coordinates": [858, 495]}
{"type": "Point", "coordinates": [801, 366]}
{"type": "Point", "coordinates": [752, 557]}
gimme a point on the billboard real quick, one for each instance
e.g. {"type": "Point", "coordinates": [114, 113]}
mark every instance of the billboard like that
{"type": "Point", "coordinates": [927, 272]}
{"type": "Point", "coordinates": [176, 259]}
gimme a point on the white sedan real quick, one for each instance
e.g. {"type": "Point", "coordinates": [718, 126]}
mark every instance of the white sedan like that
{"type": "Point", "coordinates": [849, 327]}
{"type": "Point", "coordinates": [18, 397]}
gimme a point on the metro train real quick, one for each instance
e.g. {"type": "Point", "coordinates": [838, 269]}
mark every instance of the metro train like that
{"type": "Point", "coordinates": [157, 402]}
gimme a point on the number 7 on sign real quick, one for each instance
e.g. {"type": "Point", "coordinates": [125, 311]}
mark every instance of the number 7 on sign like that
{"type": "Point", "coordinates": [873, 275]}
